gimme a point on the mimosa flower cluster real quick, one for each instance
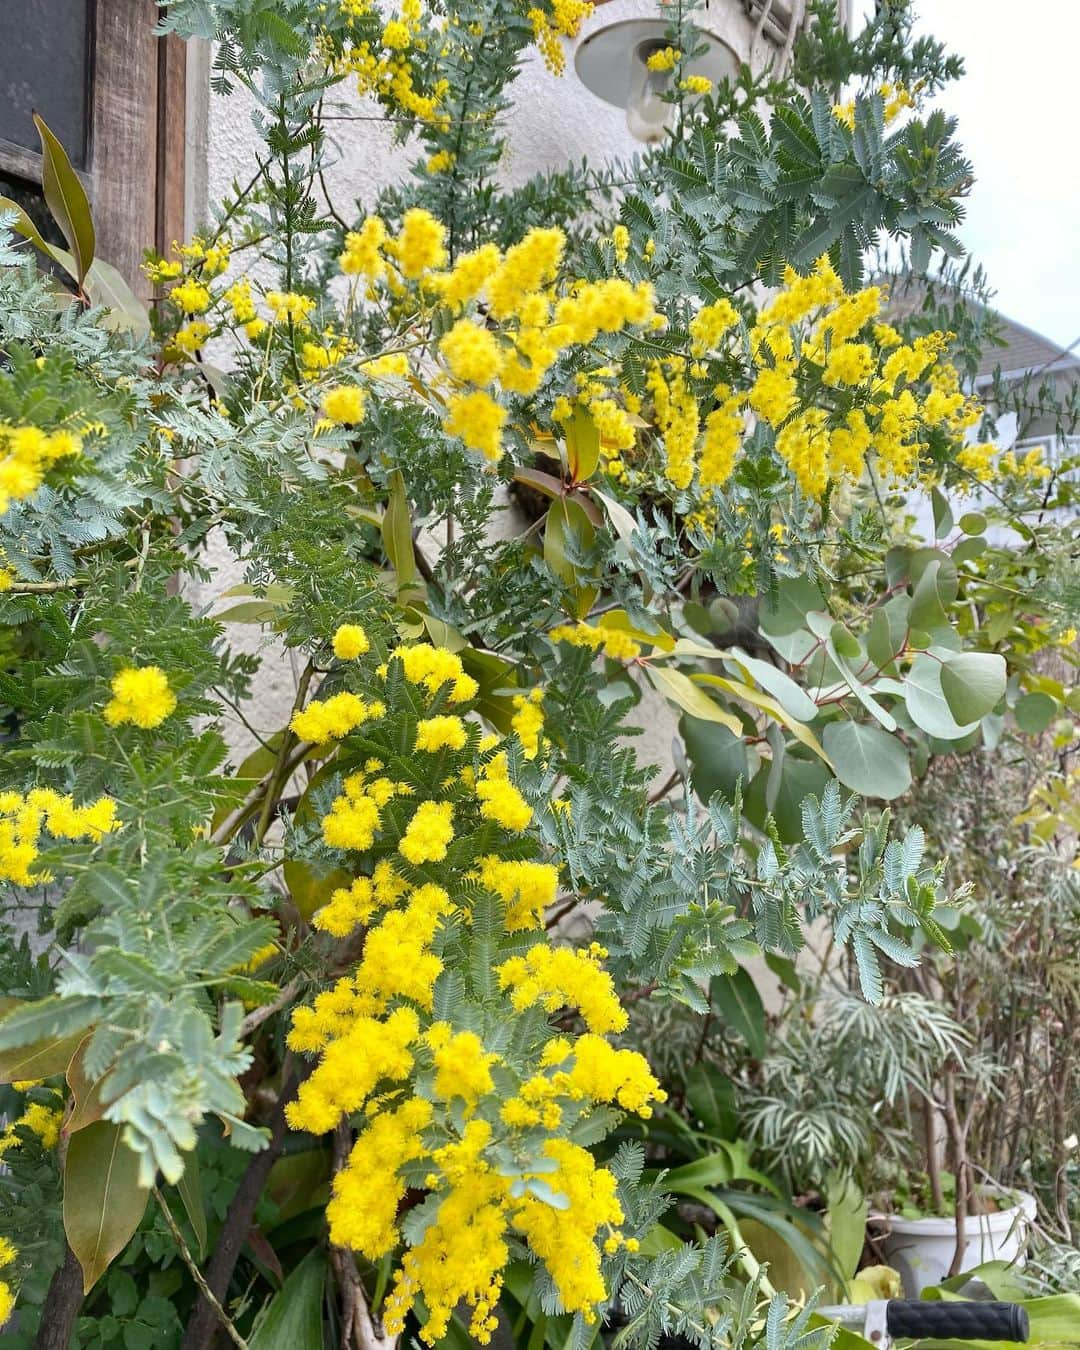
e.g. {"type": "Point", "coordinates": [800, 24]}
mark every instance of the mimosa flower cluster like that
{"type": "Point", "coordinates": [442, 1041]}
{"type": "Point", "coordinates": [405, 58]}
{"type": "Point", "coordinates": [141, 696]}
{"type": "Point", "coordinates": [513, 315]}
{"type": "Point", "coordinates": [39, 1119]}
{"type": "Point", "coordinates": [26, 455]}
{"type": "Point", "coordinates": [8, 1255]}
{"type": "Point", "coordinates": [506, 318]}
{"type": "Point", "coordinates": [25, 818]}
{"type": "Point", "coordinates": [837, 386]}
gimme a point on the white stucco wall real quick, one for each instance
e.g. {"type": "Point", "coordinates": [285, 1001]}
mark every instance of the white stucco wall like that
{"type": "Point", "coordinates": [555, 120]}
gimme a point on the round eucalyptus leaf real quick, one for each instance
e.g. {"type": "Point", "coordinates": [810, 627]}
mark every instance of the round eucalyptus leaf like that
{"type": "Point", "coordinates": [787, 610]}
{"type": "Point", "coordinates": [867, 759]}
{"type": "Point", "coordinates": [927, 704]}
{"type": "Point", "coordinates": [845, 642]}
{"type": "Point", "coordinates": [1035, 712]}
{"type": "Point", "coordinates": [972, 683]}
{"type": "Point", "coordinates": [717, 757]}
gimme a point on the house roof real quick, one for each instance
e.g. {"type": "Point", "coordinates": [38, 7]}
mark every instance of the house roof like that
{"type": "Point", "coordinates": [1020, 352]}
{"type": "Point", "coordinates": [1025, 352]}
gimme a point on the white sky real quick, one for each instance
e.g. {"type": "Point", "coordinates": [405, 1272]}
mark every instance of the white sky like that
{"type": "Point", "coordinates": [1019, 110]}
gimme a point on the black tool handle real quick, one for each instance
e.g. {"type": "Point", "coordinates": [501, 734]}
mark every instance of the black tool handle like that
{"type": "Point", "coordinates": [957, 1321]}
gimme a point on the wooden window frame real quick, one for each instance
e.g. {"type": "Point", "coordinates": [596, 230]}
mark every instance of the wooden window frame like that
{"type": "Point", "coordinates": [136, 137]}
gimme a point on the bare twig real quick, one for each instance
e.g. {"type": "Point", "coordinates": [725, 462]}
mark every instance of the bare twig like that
{"type": "Point", "coordinates": [196, 1273]}
{"type": "Point", "coordinates": [258, 1016]}
{"type": "Point", "coordinates": [963, 1176]}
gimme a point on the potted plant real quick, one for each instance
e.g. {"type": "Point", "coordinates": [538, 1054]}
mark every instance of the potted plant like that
{"type": "Point", "coordinates": [928, 1238]}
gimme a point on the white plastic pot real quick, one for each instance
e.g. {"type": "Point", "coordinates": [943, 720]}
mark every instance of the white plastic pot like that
{"type": "Point", "coordinates": [922, 1249]}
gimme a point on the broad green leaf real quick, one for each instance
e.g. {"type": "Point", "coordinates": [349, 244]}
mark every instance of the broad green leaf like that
{"type": "Point", "coordinates": [86, 1103]}
{"type": "Point", "coordinates": [843, 1338]}
{"type": "Point", "coordinates": [927, 612]}
{"type": "Point", "coordinates": [947, 580]}
{"type": "Point", "coordinates": [691, 647]}
{"type": "Point", "coordinates": [800, 778]}
{"type": "Point", "coordinates": [47, 1019]}
{"type": "Point", "coordinates": [967, 549]}
{"type": "Point", "coordinates": [845, 642]}
{"type": "Point", "coordinates": [943, 516]}
{"type": "Point", "coordinates": [66, 199]}
{"type": "Point", "coordinates": [739, 1006]}
{"type": "Point", "coordinates": [972, 684]}
{"type": "Point", "coordinates": [105, 286]}
{"type": "Point", "coordinates": [859, 689]}
{"type": "Point", "coordinates": [898, 565]}
{"type": "Point", "coordinates": [660, 1239]}
{"type": "Point", "coordinates": [683, 692]}
{"type": "Point", "coordinates": [582, 445]}
{"type": "Point", "coordinates": [795, 598]}
{"type": "Point", "coordinates": [250, 611]}
{"type": "Point", "coordinates": [926, 702]}
{"type": "Point", "coordinates": [797, 648]}
{"type": "Point", "coordinates": [712, 1170]}
{"type": "Point", "coordinates": [293, 1317]}
{"type": "Point", "coordinates": [792, 697]}
{"type": "Point", "coordinates": [973, 522]}
{"type": "Point", "coordinates": [798, 729]}
{"type": "Point", "coordinates": [189, 1188]}
{"type": "Point", "coordinates": [397, 533]}
{"type": "Point", "coordinates": [25, 226]}
{"type": "Point", "coordinates": [793, 1271]}
{"type": "Point", "coordinates": [711, 1096]}
{"type": "Point", "coordinates": [103, 1201]}
{"type": "Point", "coordinates": [846, 1217]}
{"type": "Point", "coordinates": [663, 642]}
{"type": "Point", "coordinates": [568, 529]}
{"type": "Point", "coordinates": [1034, 713]}
{"type": "Point", "coordinates": [887, 634]}
{"type": "Point", "coordinates": [493, 674]}
{"type": "Point", "coordinates": [785, 970]}
{"type": "Point", "coordinates": [311, 886]}
{"type": "Point", "coordinates": [622, 522]}
{"type": "Point", "coordinates": [42, 1059]}
{"type": "Point", "coordinates": [717, 756]}
{"type": "Point", "coordinates": [868, 760]}
{"type": "Point", "coordinates": [1004, 1280]}
{"type": "Point", "coordinates": [442, 634]}
{"type": "Point", "coordinates": [298, 1182]}
{"type": "Point", "coordinates": [545, 483]}
{"type": "Point", "coordinates": [311, 889]}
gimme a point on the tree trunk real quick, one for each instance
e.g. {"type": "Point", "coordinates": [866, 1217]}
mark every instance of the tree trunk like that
{"type": "Point", "coordinates": [62, 1304]}
{"type": "Point", "coordinates": [204, 1321]}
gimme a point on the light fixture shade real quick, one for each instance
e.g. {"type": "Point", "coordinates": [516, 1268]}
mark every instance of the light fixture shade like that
{"type": "Point", "coordinates": [605, 60]}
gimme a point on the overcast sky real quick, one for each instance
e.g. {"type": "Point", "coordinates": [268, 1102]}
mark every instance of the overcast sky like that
{"type": "Point", "coordinates": [1019, 108]}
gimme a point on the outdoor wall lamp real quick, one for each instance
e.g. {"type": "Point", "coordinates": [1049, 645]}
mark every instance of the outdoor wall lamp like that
{"type": "Point", "coordinates": [613, 64]}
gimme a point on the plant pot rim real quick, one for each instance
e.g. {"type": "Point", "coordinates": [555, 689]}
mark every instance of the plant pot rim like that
{"type": "Point", "coordinates": [1025, 1206]}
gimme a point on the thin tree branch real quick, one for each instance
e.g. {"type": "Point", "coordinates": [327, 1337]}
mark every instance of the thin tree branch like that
{"type": "Point", "coordinates": [196, 1273]}
{"type": "Point", "coordinates": [199, 1334]}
